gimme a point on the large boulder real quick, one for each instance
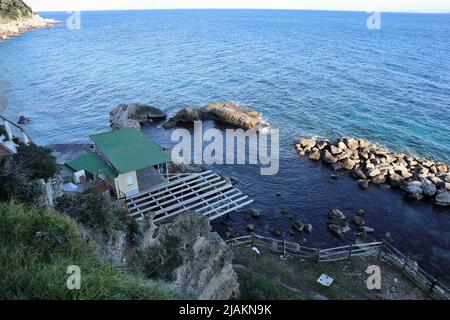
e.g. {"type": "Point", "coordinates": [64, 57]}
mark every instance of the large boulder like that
{"type": "Point", "coordinates": [133, 115]}
{"type": "Point", "coordinates": [395, 180]}
{"type": "Point", "coordinates": [298, 226]}
{"type": "Point", "coordinates": [363, 183]}
{"type": "Point", "coordinates": [226, 112]}
{"type": "Point", "coordinates": [428, 188]}
{"type": "Point", "coordinates": [413, 190]}
{"type": "Point", "coordinates": [336, 214]}
{"type": "Point", "coordinates": [315, 154]}
{"type": "Point", "coordinates": [379, 179]}
{"type": "Point", "coordinates": [351, 143]}
{"type": "Point", "coordinates": [184, 117]}
{"type": "Point", "coordinates": [358, 220]}
{"type": "Point", "coordinates": [232, 114]}
{"type": "Point", "coordinates": [373, 173]}
{"type": "Point", "coordinates": [328, 157]}
{"type": "Point", "coordinates": [339, 229]}
{"type": "Point", "coordinates": [308, 143]}
{"type": "Point", "coordinates": [348, 164]}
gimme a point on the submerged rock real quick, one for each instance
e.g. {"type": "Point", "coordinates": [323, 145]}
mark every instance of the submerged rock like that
{"type": "Point", "coordinates": [366, 229]}
{"type": "Point", "coordinates": [256, 214]}
{"type": "Point", "coordinates": [337, 214]}
{"type": "Point", "coordinates": [308, 227]}
{"type": "Point", "coordinates": [298, 226]}
{"type": "Point", "coordinates": [358, 220]}
{"type": "Point", "coordinates": [23, 120]}
{"type": "Point", "coordinates": [277, 232]}
{"type": "Point", "coordinates": [337, 223]}
{"type": "Point", "coordinates": [364, 184]}
{"type": "Point", "coordinates": [442, 199]}
{"type": "Point", "coordinates": [339, 230]}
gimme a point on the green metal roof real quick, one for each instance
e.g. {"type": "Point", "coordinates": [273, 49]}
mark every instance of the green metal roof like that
{"type": "Point", "coordinates": [129, 150]}
{"type": "Point", "coordinates": [92, 163]}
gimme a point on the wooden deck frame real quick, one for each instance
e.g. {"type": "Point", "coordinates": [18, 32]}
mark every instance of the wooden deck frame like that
{"type": "Point", "coordinates": [207, 193]}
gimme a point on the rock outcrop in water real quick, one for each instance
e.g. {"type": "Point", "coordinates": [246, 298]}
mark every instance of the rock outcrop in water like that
{"type": "Point", "coordinates": [225, 112]}
{"type": "Point", "coordinates": [133, 115]}
{"type": "Point", "coordinates": [419, 178]}
{"type": "Point", "coordinates": [16, 17]}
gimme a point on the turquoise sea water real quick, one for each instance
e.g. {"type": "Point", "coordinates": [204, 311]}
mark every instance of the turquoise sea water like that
{"type": "Point", "coordinates": [308, 73]}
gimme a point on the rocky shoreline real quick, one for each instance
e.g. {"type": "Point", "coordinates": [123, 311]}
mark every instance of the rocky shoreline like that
{"type": "Point", "coordinates": [13, 28]}
{"type": "Point", "coordinates": [418, 177]}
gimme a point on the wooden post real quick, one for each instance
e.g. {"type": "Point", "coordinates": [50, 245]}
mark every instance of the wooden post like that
{"type": "Point", "coordinates": [380, 249]}
{"type": "Point", "coordinates": [404, 265]}
{"type": "Point", "coordinates": [433, 285]}
{"type": "Point", "coordinates": [318, 255]}
{"type": "Point", "coordinates": [253, 240]}
{"type": "Point", "coordinates": [350, 251]}
{"type": "Point", "coordinates": [284, 247]}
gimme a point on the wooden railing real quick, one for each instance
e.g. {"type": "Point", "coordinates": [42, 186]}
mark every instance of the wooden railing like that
{"type": "Point", "coordinates": [384, 250]}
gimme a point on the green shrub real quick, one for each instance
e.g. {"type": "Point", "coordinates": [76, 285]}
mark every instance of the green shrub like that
{"type": "Point", "coordinates": [35, 161]}
{"type": "Point", "coordinates": [160, 262]}
{"type": "Point", "coordinates": [37, 246]}
{"type": "Point", "coordinates": [17, 186]}
{"type": "Point", "coordinates": [94, 211]}
{"type": "Point", "coordinates": [19, 173]}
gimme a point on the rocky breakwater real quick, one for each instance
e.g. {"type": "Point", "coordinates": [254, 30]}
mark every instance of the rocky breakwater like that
{"type": "Point", "coordinates": [419, 178]}
{"type": "Point", "coordinates": [224, 112]}
{"type": "Point", "coordinates": [16, 17]}
{"type": "Point", "coordinates": [133, 115]}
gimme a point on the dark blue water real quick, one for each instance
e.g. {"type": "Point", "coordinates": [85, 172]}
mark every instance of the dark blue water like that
{"type": "Point", "coordinates": [308, 73]}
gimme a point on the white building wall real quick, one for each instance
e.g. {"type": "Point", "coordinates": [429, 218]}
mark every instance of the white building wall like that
{"type": "Point", "coordinates": [127, 183]}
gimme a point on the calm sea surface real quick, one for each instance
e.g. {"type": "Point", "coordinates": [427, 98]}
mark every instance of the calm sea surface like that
{"type": "Point", "coordinates": [308, 73]}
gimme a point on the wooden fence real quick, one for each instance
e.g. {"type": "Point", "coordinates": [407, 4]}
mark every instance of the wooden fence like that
{"type": "Point", "coordinates": [383, 250]}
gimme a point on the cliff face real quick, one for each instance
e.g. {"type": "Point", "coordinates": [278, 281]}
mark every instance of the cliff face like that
{"type": "Point", "coordinates": [204, 265]}
{"type": "Point", "coordinates": [14, 10]}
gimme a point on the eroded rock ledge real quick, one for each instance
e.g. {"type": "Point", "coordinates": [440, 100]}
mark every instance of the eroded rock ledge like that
{"type": "Point", "coordinates": [225, 112]}
{"type": "Point", "coordinates": [420, 178]}
{"type": "Point", "coordinates": [205, 267]}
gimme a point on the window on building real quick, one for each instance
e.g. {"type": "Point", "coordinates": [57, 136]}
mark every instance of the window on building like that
{"type": "Point", "coordinates": [130, 181]}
